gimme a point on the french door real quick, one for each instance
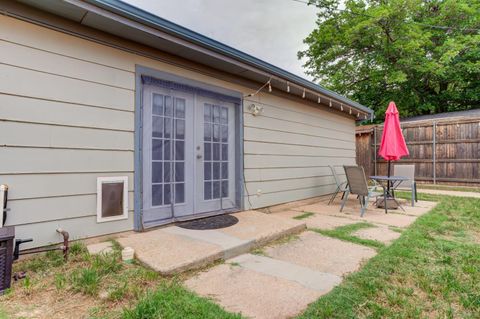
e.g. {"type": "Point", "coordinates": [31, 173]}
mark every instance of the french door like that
{"type": "Point", "coordinates": [188, 151]}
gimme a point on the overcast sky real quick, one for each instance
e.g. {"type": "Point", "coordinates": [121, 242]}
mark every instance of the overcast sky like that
{"type": "Point", "coordinates": [272, 30]}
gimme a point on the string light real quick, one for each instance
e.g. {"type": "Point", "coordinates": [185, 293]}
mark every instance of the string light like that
{"type": "Point", "coordinates": [258, 91]}
{"type": "Point", "coordinates": [304, 94]}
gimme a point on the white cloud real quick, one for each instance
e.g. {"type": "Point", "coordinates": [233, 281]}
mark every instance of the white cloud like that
{"type": "Point", "coordinates": [272, 30]}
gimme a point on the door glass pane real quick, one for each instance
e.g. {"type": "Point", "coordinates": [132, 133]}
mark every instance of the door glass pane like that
{"type": "Point", "coordinates": [157, 195]}
{"type": "Point", "coordinates": [157, 126]}
{"type": "Point", "coordinates": [207, 190]}
{"type": "Point", "coordinates": [207, 171]}
{"type": "Point", "coordinates": [216, 170]}
{"type": "Point", "coordinates": [180, 129]}
{"type": "Point", "coordinates": [168, 128]}
{"type": "Point", "coordinates": [167, 199]}
{"type": "Point", "coordinates": [216, 114]}
{"type": "Point", "coordinates": [157, 149]}
{"type": "Point", "coordinates": [224, 188]}
{"type": "Point", "coordinates": [157, 107]}
{"type": "Point", "coordinates": [179, 172]}
{"type": "Point", "coordinates": [223, 115]}
{"type": "Point", "coordinates": [179, 150]}
{"type": "Point", "coordinates": [179, 193]}
{"type": "Point", "coordinates": [179, 108]}
{"type": "Point", "coordinates": [207, 149]}
{"type": "Point", "coordinates": [216, 190]}
{"type": "Point", "coordinates": [157, 172]}
{"type": "Point", "coordinates": [168, 106]}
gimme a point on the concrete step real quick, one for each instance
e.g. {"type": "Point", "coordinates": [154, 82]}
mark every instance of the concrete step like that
{"type": "Point", "coordinates": [171, 250]}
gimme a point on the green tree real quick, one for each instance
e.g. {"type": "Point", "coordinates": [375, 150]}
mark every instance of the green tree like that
{"type": "Point", "coordinates": [422, 54]}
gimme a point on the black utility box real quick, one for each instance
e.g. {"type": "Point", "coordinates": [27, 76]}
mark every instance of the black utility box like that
{"type": "Point", "coordinates": [6, 256]}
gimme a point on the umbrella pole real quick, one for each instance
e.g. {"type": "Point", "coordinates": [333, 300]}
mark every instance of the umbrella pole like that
{"type": "Point", "coordinates": [388, 182]}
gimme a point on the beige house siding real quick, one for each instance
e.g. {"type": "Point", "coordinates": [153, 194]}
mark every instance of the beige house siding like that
{"type": "Point", "coordinates": [67, 117]}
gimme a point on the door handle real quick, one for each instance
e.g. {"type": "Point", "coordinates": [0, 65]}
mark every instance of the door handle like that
{"type": "Point", "coordinates": [199, 153]}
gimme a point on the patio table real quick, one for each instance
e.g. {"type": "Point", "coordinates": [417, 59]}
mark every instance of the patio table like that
{"type": "Point", "coordinates": [389, 184]}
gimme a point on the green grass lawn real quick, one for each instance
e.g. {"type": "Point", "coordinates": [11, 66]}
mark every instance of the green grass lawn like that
{"type": "Point", "coordinates": [431, 271]}
{"type": "Point", "coordinates": [450, 188]}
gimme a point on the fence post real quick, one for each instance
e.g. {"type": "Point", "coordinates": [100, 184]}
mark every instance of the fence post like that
{"type": "Point", "coordinates": [434, 133]}
{"type": "Point", "coordinates": [375, 149]}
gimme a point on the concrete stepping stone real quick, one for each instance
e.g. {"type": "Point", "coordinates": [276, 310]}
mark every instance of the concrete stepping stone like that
{"type": "Point", "coordinates": [169, 253]}
{"type": "Point", "coordinates": [100, 248]}
{"type": "Point", "coordinates": [320, 281]}
{"type": "Point", "coordinates": [253, 294]}
{"type": "Point", "coordinates": [320, 221]}
{"type": "Point", "coordinates": [322, 253]}
{"type": "Point", "coordinates": [380, 233]}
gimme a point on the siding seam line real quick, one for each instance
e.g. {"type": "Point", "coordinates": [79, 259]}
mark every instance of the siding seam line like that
{"type": "Point", "coordinates": [67, 102]}
{"type": "Point", "coordinates": [67, 77]}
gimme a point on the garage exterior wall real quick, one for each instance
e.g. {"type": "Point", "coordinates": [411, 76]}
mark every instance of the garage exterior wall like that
{"type": "Point", "coordinates": [67, 111]}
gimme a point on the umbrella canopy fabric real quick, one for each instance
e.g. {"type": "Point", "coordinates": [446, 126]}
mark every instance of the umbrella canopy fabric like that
{"type": "Point", "coordinates": [393, 146]}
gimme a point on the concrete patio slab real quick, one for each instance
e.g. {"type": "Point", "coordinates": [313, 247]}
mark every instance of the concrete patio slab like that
{"type": "Point", "coordinates": [169, 253]}
{"type": "Point", "coordinates": [397, 218]}
{"type": "Point", "coordinates": [172, 249]}
{"type": "Point", "coordinates": [380, 233]}
{"type": "Point", "coordinates": [320, 281]}
{"type": "Point", "coordinates": [321, 253]}
{"type": "Point", "coordinates": [262, 228]}
{"type": "Point", "coordinates": [251, 293]}
{"type": "Point", "coordinates": [319, 221]}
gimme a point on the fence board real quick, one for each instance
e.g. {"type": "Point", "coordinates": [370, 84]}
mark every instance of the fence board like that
{"type": "Point", "coordinates": [445, 151]}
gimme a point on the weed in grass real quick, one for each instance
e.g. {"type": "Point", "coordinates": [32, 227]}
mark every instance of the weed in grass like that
{"type": "Point", "coordinates": [77, 248]}
{"type": "Point", "coordinates": [86, 281]}
{"type": "Point", "coordinates": [345, 233]}
{"type": "Point", "coordinates": [234, 264]}
{"type": "Point", "coordinates": [118, 292]}
{"type": "Point", "coordinates": [60, 281]}
{"type": "Point", "coordinates": [107, 263]}
{"type": "Point", "coordinates": [27, 285]}
{"type": "Point", "coordinates": [171, 300]}
{"type": "Point", "coordinates": [304, 215]}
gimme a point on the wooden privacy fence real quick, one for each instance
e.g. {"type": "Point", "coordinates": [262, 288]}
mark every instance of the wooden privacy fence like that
{"type": "Point", "coordinates": [443, 151]}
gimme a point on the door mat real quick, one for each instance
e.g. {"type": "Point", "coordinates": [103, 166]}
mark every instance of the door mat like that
{"type": "Point", "coordinates": [215, 222]}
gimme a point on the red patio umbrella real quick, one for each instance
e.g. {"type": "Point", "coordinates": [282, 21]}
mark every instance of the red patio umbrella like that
{"type": "Point", "coordinates": [393, 146]}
